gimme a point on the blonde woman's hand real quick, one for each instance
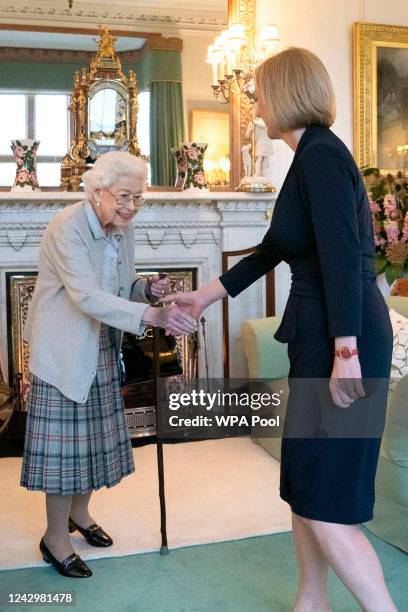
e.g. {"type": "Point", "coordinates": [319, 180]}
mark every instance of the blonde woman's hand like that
{"type": "Point", "coordinates": [194, 302]}
{"type": "Point", "coordinates": [191, 302]}
{"type": "Point", "coordinates": [345, 383]}
{"type": "Point", "coordinates": [171, 318]}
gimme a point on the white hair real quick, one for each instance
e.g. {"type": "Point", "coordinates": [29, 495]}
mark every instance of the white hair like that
{"type": "Point", "coordinates": [110, 167]}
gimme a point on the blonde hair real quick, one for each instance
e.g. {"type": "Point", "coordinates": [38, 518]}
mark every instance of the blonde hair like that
{"type": "Point", "coordinates": [296, 90]}
{"type": "Point", "coordinates": [110, 167]}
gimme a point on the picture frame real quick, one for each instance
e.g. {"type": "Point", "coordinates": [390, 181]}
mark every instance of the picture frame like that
{"type": "Point", "coordinates": [380, 75]}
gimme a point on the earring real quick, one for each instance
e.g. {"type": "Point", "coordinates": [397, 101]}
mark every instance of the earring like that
{"type": "Point", "coordinates": [98, 203]}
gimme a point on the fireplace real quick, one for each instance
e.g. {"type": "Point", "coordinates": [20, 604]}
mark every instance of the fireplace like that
{"type": "Point", "coordinates": [178, 232]}
{"type": "Point", "coordinates": [178, 355]}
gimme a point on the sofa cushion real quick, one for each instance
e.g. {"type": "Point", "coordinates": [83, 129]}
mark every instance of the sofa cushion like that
{"type": "Point", "coordinates": [398, 303]}
{"type": "Point", "coordinates": [270, 438]}
{"type": "Point", "coordinates": [399, 364]}
{"type": "Point", "coordinates": [266, 357]}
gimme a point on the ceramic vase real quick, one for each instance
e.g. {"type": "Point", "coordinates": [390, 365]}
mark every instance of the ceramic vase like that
{"type": "Point", "coordinates": [181, 164]}
{"type": "Point", "coordinates": [195, 177]}
{"type": "Point", "coordinates": [24, 152]}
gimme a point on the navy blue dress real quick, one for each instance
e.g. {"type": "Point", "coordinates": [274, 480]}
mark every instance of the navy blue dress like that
{"type": "Point", "coordinates": [322, 227]}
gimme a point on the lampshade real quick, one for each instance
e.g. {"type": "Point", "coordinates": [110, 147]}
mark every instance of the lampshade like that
{"type": "Point", "coordinates": [219, 42]}
{"type": "Point", "coordinates": [269, 34]}
{"type": "Point", "coordinates": [237, 32]}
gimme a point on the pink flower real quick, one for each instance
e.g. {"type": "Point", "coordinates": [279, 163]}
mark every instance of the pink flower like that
{"type": "Point", "coordinates": [200, 178]}
{"type": "Point", "coordinates": [19, 151]}
{"type": "Point", "coordinates": [392, 230]}
{"type": "Point", "coordinates": [22, 176]}
{"type": "Point", "coordinates": [192, 153]}
{"type": "Point", "coordinates": [379, 241]}
{"type": "Point", "coordinates": [405, 227]}
{"type": "Point", "coordinates": [375, 208]}
{"type": "Point", "coordinates": [390, 206]}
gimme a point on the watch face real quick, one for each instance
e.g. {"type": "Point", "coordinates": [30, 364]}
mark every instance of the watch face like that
{"type": "Point", "coordinates": [345, 352]}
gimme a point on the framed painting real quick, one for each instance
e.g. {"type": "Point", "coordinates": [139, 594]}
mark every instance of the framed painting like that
{"type": "Point", "coordinates": [381, 96]}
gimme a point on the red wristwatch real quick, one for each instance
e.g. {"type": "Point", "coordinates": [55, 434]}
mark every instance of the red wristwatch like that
{"type": "Point", "coordinates": [344, 352]}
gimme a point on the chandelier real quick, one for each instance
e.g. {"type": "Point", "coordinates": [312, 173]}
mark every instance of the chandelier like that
{"type": "Point", "coordinates": [233, 59]}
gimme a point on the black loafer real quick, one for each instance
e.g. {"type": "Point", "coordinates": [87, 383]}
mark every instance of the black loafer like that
{"type": "Point", "coordinates": [94, 533]}
{"type": "Point", "coordinates": [72, 566]}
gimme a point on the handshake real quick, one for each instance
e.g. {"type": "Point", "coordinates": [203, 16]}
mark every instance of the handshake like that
{"type": "Point", "coordinates": [181, 316]}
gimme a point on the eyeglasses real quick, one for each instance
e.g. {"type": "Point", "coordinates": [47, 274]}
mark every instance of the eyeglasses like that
{"type": "Point", "coordinates": [137, 199]}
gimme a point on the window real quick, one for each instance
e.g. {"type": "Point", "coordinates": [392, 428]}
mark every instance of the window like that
{"type": "Point", "coordinates": [12, 125]}
{"type": "Point", "coordinates": [44, 117]}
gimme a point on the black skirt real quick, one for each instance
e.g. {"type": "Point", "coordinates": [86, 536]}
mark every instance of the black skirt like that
{"type": "Point", "coordinates": [324, 477]}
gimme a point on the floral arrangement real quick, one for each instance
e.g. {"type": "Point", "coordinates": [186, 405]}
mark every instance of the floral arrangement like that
{"type": "Point", "coordinates": [388, 198]}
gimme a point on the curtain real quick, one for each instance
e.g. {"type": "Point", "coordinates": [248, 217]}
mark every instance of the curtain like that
{"type": "Point", "coordinates": [166, 129]}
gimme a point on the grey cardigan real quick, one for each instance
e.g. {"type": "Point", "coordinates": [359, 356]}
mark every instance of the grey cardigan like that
{"type": "Point", "coordinates": [68, 305]}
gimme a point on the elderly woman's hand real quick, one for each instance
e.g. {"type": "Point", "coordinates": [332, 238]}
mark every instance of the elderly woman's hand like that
{"type": "Point", "coordinates": [159, 286]}
{"type": "Point", "coordinates": [171, 318]}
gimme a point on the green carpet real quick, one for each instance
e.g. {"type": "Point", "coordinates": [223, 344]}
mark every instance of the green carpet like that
{"type": "Point", "coordinates": [255, 574]}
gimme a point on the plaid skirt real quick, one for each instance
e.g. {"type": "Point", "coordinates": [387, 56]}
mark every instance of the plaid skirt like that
{"type": "Point", "coordinates": [75, 448]}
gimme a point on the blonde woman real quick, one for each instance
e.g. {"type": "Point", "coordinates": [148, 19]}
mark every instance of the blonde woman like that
{"type": "Point", "coordinates": [87, 294]}
{"type": "Point", "coordinates": [336, 325]}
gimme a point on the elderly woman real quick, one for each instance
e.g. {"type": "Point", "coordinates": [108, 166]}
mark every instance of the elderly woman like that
{"type": "Point", "coordinates": [337, 328]}
{"type": "Point", "coordinates": [87, 294]}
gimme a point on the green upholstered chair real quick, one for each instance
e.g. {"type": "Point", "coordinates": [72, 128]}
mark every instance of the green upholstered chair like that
{"type": "Point", "coordinates": [267, 358]}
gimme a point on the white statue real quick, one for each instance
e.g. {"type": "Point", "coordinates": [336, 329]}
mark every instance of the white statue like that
{"type": "Point", "coordinates": [264, 148]}
{"type": "Point", "coordinates": [247, 159]}
{"type": "Point", "coordinates": [257, 178]}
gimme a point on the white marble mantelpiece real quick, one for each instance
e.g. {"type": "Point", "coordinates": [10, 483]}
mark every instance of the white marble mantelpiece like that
{"type": "Point", "coordinates": [173, 230]}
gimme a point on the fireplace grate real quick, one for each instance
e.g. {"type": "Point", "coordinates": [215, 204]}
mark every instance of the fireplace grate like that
{"type": "Point", "coordinates": [138, 393]}
{"type": "Point", "coordinates": [141, 421]}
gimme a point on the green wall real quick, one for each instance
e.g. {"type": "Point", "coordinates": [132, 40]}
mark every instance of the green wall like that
{"type": "Point", "coordinates": [157, 65]}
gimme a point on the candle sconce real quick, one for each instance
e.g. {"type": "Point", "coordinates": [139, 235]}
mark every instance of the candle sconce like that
{"type": "Point", "coordinates": [233, 58]}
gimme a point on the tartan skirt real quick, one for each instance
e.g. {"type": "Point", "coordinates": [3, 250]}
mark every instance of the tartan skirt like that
{"type": "Point", "coordinates": [76, 448]}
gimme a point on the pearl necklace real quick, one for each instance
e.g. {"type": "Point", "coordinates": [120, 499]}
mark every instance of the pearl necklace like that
{"type": "Point", "coordinates": [109, 233]}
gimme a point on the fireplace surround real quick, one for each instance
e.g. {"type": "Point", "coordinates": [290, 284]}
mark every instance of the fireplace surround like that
{"type": "Point", "coordinates": [175, 232]}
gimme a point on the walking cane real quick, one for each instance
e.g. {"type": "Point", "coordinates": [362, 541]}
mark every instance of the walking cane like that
{"type": "Point", "coordinates": [164, 550]}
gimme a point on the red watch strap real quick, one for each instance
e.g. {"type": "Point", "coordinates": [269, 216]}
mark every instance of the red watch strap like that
{"type": "Point", "coordinates": [345, 352]}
